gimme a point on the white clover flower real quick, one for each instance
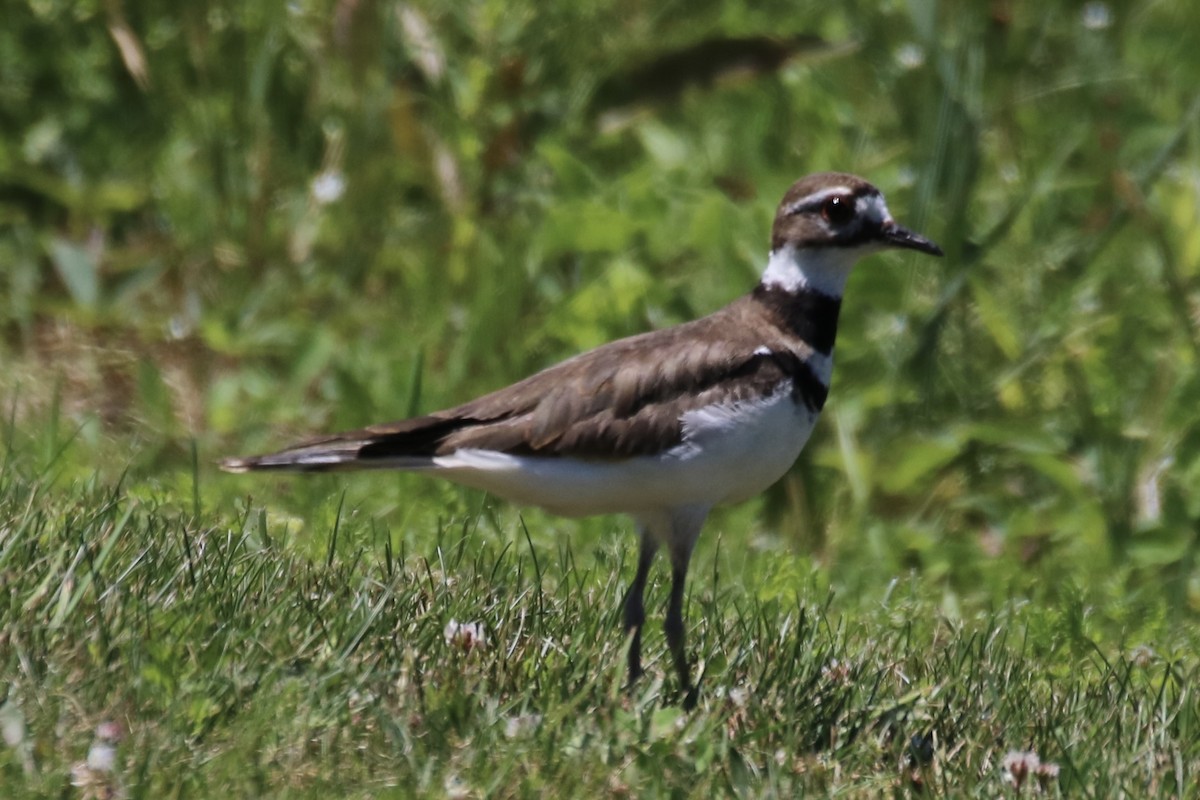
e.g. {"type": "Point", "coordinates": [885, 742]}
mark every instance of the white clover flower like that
{"type": "Point", "coordinates": [1097, 16]}
{"type": "Point", "coordinates": [102, 757]}
{"type": "Point", "coordinates": [910, 56]}
{"type": "Point", "coordinates": [328, 187]}
{"type": "Point", "coordinates": [521, 725]}
{"type": "Point", "coordinates": [1019, 765]}
{"type": "Point", "coordinates": [465, 635]}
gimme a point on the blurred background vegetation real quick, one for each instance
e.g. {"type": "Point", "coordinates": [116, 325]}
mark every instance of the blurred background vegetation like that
{"type": "Point", "coordinates": [226, 224]}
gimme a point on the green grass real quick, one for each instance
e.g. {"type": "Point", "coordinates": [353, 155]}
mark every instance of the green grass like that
{"type": "Point", "coordinates": [989, 546]}
{"type": "Point", "coordinates": [233, 664]}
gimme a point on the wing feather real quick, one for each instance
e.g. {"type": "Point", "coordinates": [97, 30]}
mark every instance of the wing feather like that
{"type": "Point", "coordinates": [623, 399]}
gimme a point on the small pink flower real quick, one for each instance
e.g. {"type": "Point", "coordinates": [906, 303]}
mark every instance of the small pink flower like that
{"type": "Point", "coordinates": [110, 731]}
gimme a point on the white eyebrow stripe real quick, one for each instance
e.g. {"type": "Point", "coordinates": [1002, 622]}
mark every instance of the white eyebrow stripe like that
{"type": "Point", "coordinates": [816, 198]}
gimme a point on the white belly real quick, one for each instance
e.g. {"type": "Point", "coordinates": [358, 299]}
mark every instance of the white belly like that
{"type": "Point", "coordinates": [729, 453]}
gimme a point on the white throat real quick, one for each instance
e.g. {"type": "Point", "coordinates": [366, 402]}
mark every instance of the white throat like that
{"type": "Point", "coordinates": [821, 269]}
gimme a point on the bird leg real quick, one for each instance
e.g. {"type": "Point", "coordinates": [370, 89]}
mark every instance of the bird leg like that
{"type": "Point", "coordinates": [685, 529]}
{"type": "Point", "coordinates": [678, 529]}
{"type": "Point", "coordinates": [675, 630]}
{"type": "Point", "coordinates": [635, 612]}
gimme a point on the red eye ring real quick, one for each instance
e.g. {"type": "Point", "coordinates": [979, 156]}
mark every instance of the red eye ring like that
{"type": "Point", "coordinates": [838, 210]}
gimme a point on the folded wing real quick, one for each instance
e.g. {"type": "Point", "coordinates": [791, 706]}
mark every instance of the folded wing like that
{"type": "Point", "coordinates": [621, 400]}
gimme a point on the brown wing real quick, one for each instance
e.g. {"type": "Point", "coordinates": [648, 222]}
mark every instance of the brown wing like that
{"type": "Point", "coordinates": [620, 400]}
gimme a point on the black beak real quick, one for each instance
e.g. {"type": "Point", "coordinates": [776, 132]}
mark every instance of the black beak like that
{"type": "Point", "coordinates": [899, 236]}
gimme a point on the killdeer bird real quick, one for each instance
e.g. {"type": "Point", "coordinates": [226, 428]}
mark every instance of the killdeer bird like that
{"type": "Point", "coordinates": [661, 426]}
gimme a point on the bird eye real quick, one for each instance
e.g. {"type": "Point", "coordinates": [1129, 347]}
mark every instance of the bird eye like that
{"type": "Point", "coordinates": [838, 209]}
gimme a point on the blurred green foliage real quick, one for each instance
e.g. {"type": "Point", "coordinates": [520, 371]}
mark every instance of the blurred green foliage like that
{"type": "Point", "coordinates": [238, 222]}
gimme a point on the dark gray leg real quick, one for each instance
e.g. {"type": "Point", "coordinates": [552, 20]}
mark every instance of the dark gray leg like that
{"type": "Point", "coordinates": [685, 529]}
{"type": "Point", "coordinates": [635, 612]}
{"type": "Point", "coordinates": [676, 631]}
